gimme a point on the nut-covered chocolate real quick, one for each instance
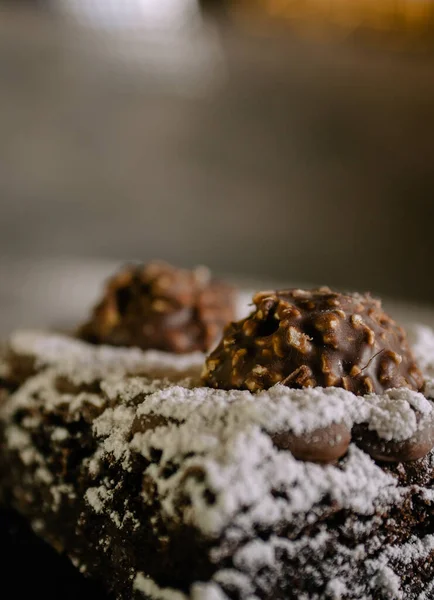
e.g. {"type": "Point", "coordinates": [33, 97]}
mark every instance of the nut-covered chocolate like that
{"type": "Point", "coordinates": [304, 338]}
{"type": "Point", "coordinates": [158, 306]}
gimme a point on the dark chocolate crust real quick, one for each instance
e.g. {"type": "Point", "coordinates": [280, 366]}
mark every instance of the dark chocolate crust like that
{"type": "Point", "coordinates": [161, 307]}
{"type": "Point", "coordinates": [308, 338]}
{"type": "Point", "coordinates": [91, 470]}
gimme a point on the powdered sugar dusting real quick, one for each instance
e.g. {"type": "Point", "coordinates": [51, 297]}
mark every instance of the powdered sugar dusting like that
{"type": "Point", "coordinates": [84, 362]}
{"type": "Point", "coordinates": [199, 591]}
{"type": "Point", "coordinates": [422, 338]}
{"type": "Point", "coordinates": [150, 589]}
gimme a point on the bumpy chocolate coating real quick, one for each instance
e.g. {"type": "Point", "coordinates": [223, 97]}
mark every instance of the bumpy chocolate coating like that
{"type": "Point", "coordinates": [314, 338]}
{"type": "Point", "coordinates": [158, 306]}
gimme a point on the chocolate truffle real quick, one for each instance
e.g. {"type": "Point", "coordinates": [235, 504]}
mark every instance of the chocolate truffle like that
{"type": "Point", "coordinates": [308, 338]}
{"type": "Point", "coordinates": [158, 306]}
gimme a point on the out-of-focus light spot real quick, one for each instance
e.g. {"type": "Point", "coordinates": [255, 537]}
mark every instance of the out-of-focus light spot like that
{"type": "Point", "coordinates": [130, 14]}
{"type": "Point", "coordinates": [166, 38]}
{"type": "Point", "coordinates": [394, 15]}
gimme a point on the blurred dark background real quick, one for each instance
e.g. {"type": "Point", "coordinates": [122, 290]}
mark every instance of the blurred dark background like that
{"type": "Point", "coordinates": [257, 139]}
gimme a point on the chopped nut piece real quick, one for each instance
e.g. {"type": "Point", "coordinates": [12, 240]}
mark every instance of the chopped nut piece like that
{"type": "Point", "coordinates": [237, 356]}
{"type": "Point", "coordinates": [369, 386]}
{"type": "Point", "coordinates": [325, 364]}
{"type": "Point", "coordinates": [213, 364]}
{"type": "Point", "coordinates": [259, 370]}
{"type": "Point", "coordinates": [252, 385]}
{"type": "Point", "coordinates": [228, 341]}
{"type": "Point", "coordinates": [249, 328]}
{"type": "Point", "coordinates": [356, 320]}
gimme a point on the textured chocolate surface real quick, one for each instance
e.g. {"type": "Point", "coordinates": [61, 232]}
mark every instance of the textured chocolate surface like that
{"type": "Point", "coordinates": [162, 490]}
{"type": "Point", "coordinates": [314, 338]}
{"type": "Point", "coordinates": [161, 307]}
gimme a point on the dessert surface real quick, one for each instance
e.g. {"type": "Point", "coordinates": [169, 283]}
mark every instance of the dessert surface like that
{"type": "Point", "coordinates": [166, 490]}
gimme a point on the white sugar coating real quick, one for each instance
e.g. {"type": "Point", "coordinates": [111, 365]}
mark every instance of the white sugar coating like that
{"type": "Point", "coordinates": [45, 383]}
{"type": "Point", "coordinates": [150, 589]}
{"type": "Point", "coordinates": [136, 387]}
{"type": "Point", "coordinates": [199, 591]}
{"type": "Point", "coordinates": [83, 362]}
{"type": "Point", "coordinates": [254, 556]}
{"type": "Point", "coordinates": [429, 388]}
{"type": "Point", "coordinates": [428, 593]}
{"type": "Point", "coordinates": [393, 558]}
{"type": "Point", "coordinates": [422, 341]}
{"type": "Point", "coordinates": [243, 468]}
{"type": "Point", "coordinates": [392, 416]}
{"type": "Point", "coordinates": [283, 409]}
{"type": "Point", "coordinates": [97, 497]}
{"type": "Point", "coordinates": [207, 591]}
{"type": "Point", "coordinates": [336, 589]}
{"type": "Point", "coordinates": [416, 548]}
{"type": "Point", "coordinates": [214, 451]}
{"type": "Point", "coordinates": [235, 580]}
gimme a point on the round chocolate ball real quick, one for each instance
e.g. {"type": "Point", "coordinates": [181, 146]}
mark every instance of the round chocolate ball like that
{"type": "Point", "coordinates": [308, 338]}
{"type": "Point", "coordinates": [158, 306]}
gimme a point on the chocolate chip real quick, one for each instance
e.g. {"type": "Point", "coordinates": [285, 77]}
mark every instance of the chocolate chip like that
{"type": "Point", "coordinates": [323, 445]}
{"type": "Point", "coordinates": [413, 448]}
{"type": "Point", "coordinates": [308, 338]}
{"type": "Point", "coordinates": [161, 307]}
